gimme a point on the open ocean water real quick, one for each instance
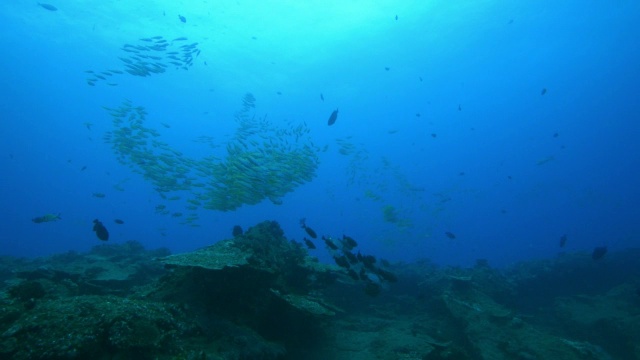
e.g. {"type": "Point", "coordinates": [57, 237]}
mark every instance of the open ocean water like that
{"type": "Point", "coordinates": [386, 179]}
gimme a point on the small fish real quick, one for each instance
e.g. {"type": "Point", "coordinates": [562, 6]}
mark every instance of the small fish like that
{"type": "Point", "coordinates": [309, 243]}
{"type": "Point", "coordinates": [543, 91]}
{"type": "Point", "coordinates": [99, 195]}
{"type": "Point", "coordinates": [118, 221]}
{"type": "Point", "coordinates": [545, 160]}
{"type": "Point", "coordinates": [434, 135]}
{"type": "Point", "coordinates": [367, 260]}
{"type": "Point", "coordinates": [182, 38]}
{"type": "Point", "coordinates": [372, 289]}
{"type": "Point", "coordinates": [387, 275]}
{"type": "Point", "coordinates": [599, 252]}
{"type": "Point", "coordinates": [348, 242]}
{"type": "Point", "coordinates": [459, 107]}
{"type": "Point", "coordinates": [396, 17]}
{"type": "Point", "coordinates": [363, 275]}
{"type": "Point", "coordinates": [237, 231]}
{"type": "Point", "coordinates": [101, 231]}
{"type": "Point", "coordinates": [352, 258]}
{"type": "Point", "coordinates": [342, 261]}
{"type": "Point", "coordinates": [329, 243]}
{"type": "Point", "coordinates": [48, 7]}
{"type": "Point", "coordinates": [83, 168]}
{"type": "Point", "coordinates": [387, 68]}
{"type": "Point", "coordinates": [321, 97]}
{"type": "Point", "coordinates": [353, 274]}
{"type": "Point", "coordinates": [308, 229]}
{"type": "Point", "coordinates": [563, 240]}
{"type": "Point", "coordinates": [182, 18]}
{"type": "Point", "coordinates": [333, 117]}
{"type": "Point", "coordinates": [46, 218]}
{"type": "Point", "coordinates": [450, 235]}
{"type": "Point", "coordinates": [88, 125]}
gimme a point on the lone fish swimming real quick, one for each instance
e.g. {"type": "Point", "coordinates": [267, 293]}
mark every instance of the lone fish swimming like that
{"type": "Point", "coordinates": [333, 117]}
{"type": "Point", "coordinates": [46, 218]}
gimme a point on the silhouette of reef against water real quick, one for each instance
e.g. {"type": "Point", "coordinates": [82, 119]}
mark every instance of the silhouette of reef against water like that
{"type": "Point", "coordinates": [261, 296]}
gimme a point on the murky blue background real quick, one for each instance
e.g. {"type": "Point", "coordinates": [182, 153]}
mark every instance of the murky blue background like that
{"type": "Point", "coordinates": [490, 158]}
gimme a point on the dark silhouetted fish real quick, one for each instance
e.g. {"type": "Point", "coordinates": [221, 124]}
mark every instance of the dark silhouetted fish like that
{"type": "Point", "coordinates": [308, 229]}
{"type": "Point", "coordinates": [367, 260]}
{"type": "Point", "coordinates": [309, 243]}
{"type": "Point", "coordinates": [353, 274]}
{"type": "Point", "coordinates": [363, 275]}
{"type": "Point", "coordinates": [118, 221]}
{"type": "Point", "coordinates": [450, 235]}
{"type": "Point", "coordinates": [563, 240]}
{"type": "Point", "coordinates": [387, 275]}
{"type": "Point", "coordinates": [329, 243]}
{"type": "Point", "coordinates": [321, 97]}
{"type": "Point", "coordinates": [544, 91]}
{"type": "Point", "coordinates": [311, 232]}
{"type": "Point", "coordinates": [342, 261]}
{"type": "Point", "coordinates": [372, 289]}
{"type": "Point", "coordinates": [182, 18]}
{"type": "Point", "coordinates": [101, 231]}
{"type": "Point", "coordinates": [348, 242]}
{"type": "Point", "coordinates": [46, 218]}
{"type": "Point", "coordinates": [352, 258]}
{"type": "Point", "coordinates": [237, 231]}
{"type": "Point", "coordinates": [599, 252]}
{"type": "Point", "coordinates": [48, 7]}
{"type": "Point", "coordinates": [333, 117]}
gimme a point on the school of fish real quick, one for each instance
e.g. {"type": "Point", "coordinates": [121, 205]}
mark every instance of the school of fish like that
{"type": "Point", "coordinates": [149, 56]}
{"type": "Point", "coordinates": [260, 161]}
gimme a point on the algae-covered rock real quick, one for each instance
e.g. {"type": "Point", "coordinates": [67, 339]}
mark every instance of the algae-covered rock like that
{"type": "Point", "coordinates": [85, 327]}
{"type": "Point", "coordinates": [306, 303]}
{"type": "Point", "coordinates": [258, 280]}
{"type": "Point", "coordinates": [214, 257]}
{"type": "Point", "coordinates": [112, 269]}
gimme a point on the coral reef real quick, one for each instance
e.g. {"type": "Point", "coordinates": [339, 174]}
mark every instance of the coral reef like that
{"type": "Point", "coordinates": [261, 296]}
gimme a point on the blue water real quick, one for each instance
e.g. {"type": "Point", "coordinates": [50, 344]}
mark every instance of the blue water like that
{"type": "Point", "coordinates": [527, 129]}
